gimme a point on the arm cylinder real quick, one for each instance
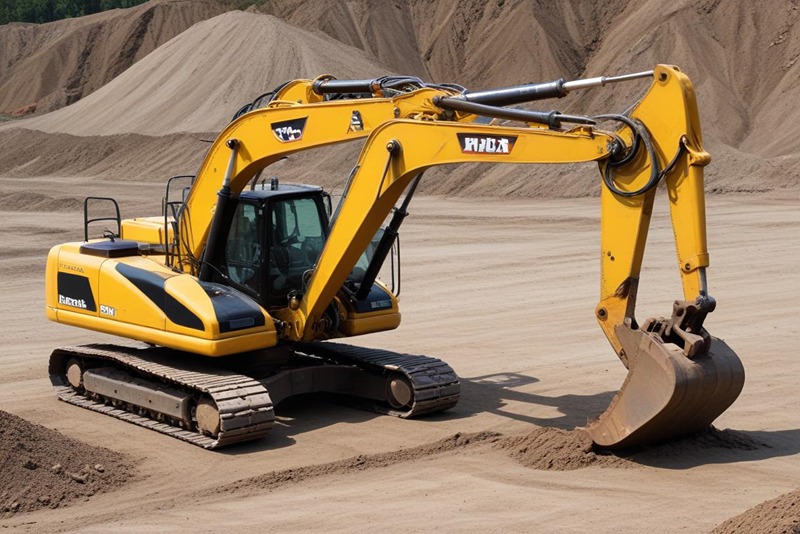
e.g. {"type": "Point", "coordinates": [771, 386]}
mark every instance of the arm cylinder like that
{"type": "Point", "coordinates": [551, 118]}
{"type": "Point", "coordinates": [517, 95]}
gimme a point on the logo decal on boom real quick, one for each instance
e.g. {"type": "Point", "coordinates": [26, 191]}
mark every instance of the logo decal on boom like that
{"type": "Point", "coordinates": [288, 131]}
{"type": "Point", "coordinates": [356, 123]}
{"type": "Point", "coordinates": [486, 144]}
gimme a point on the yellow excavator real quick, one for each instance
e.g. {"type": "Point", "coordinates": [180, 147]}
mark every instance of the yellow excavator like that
{"type": "Point", "coordinates": [236, 290]}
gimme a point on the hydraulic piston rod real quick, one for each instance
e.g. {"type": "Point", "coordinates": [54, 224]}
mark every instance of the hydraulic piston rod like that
{"type": "Point", "coordinates": [541, 91]}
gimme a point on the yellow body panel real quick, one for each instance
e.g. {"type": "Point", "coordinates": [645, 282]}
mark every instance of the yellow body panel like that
{"type": "Point", "coordinates": [146, 230]}
{"type": "Point", "coordinates": [356, 323]}
{"type": "Point", "coordinates": [140, 298]}
{"type": "Point", "coordinates": [370, 323]}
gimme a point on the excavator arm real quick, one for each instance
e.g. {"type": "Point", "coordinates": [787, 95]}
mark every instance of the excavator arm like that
{"type": "Point", "coordinates": [680, 379]}
{"type": "Point", "coordinates": [669, 112]}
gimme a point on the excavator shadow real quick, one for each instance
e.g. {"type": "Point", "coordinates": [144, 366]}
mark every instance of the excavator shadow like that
{"type": "Point", "coordinates": [306, 413]}
{"type": "Point", "coordinates": [493, 393]}
{"type": "Point", "coordinates": [483, 394]}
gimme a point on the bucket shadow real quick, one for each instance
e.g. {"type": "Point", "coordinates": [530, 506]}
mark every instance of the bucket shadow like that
{"type": "Point", "coordinates": [713, 446]}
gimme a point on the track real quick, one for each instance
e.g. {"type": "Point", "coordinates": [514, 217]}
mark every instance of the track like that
{"type": "Point", "coordinates": [435, 384]}
{"type": "Point", "coordinates": [396, 384]}
{"type": "Point", "coordinates": [245, 408]}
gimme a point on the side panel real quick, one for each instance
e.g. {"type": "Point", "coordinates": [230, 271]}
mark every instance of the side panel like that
{"type": "Point", "coordinates": [377, 313]}
{"type": "Point", "coordinates": [145, 230]}
{"type": "Point", "coordinates": [141, 299]}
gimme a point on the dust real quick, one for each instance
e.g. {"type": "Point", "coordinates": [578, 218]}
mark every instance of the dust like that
{"type": "Point", "coordinates": [780, 515]}
{"type": "Point", "coordinates": [42, 468]}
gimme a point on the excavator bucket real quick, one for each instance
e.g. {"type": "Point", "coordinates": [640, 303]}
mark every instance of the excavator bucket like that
{"type": "Point", "coordinates": [666, 394]}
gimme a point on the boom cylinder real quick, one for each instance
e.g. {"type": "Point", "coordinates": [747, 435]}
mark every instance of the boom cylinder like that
{"type": "Point", "coordinates": [322, 87]}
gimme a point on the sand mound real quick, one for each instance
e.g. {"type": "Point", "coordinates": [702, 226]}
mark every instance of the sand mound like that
{"type": "Point", "coordinates": [780, 515]}
{"type": "Point", "coordinates": [554, 449]}
{"type": "Point", "coordinates": [363, 462]}
{"type": "Point", "coordinates": [386, 31]}
{"type": "Point", "coordinates": [47, 66]}
{"type": "Point", "coordinates": [710, 445]}
{"type": "Point", "coordinates": [117, 157]}
{"type": "Point", "coordinates": [40, 467]}
{"type": "Point", "coordinates": [563, 450]}
{"type": "Point", "coordinates": [197, 81]}
{"type": "Point", "coordinates": [30, 201]}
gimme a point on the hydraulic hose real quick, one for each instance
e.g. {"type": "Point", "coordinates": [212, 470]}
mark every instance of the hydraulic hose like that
{"type": "Point", "coordinates": [640, 136]}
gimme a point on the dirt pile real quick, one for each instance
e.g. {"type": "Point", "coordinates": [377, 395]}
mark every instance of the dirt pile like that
{"type": "Point", "coordinates": [564, 450]}
{"type": "Point", "coordinates": [195, 82]}
{"type": "Point", "coordinates": [780, 515]}
{"type": "Point", "coordinates": [553, 449]}
{"type": "Point", "coordinates": [47, 66]}
{"type": "Point", "coordinates": [746, 76]}
{"type": "Point", "coordinates": [40, 467]}
{"type": "Point", "coordinates": [711, 444]}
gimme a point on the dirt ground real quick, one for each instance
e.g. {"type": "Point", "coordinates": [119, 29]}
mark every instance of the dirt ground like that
{"type": "Point", "coordinates": [503, 290]}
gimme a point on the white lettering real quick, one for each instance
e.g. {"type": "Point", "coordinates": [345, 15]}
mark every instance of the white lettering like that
{"type": "Point", "coordinates": [75, 303]}
{"type": "Point", "coordinates": [487, 145]}
{"type": "Point", "coordinates": [287, 133]}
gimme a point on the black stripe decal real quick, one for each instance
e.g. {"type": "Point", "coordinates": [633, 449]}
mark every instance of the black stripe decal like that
{"type": "Point", "coordinates": [75, 291]}
{"type": "Point", "coordinates": [152, 285]}
{"type": "Point", "coordinates": [234, 310]}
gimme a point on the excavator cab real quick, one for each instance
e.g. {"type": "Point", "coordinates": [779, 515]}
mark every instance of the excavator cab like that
{"type": "Point", "coordinates": [275, 237]}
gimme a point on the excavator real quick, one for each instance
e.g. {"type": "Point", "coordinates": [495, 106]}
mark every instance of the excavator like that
{"type": "Point", "coordinates": [235, 293]}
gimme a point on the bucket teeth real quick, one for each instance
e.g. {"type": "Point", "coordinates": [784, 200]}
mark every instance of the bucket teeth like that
{"type": "Point", "coordinates": [666, 394]}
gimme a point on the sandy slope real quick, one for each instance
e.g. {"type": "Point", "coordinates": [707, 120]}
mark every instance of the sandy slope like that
{"type": "Point", "coordinates": [197, 81]}
{"type": "Point", "coordinates": [528, 351]}
{"type": "Point", "coordinates": [47, 66]}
